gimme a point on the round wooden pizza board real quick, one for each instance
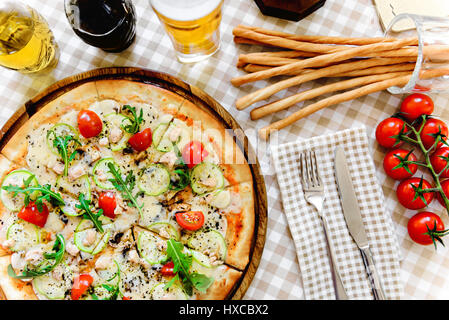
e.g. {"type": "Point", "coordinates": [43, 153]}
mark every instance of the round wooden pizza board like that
{"type": "Point", "coordinates": [192, 93]}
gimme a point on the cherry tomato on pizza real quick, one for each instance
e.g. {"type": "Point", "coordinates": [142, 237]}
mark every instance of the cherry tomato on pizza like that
{"type": "Point", "coordinates": [396, 164]}
{"type": "Point", "coordinates": [425, 227]}
{"type": "Point", "coordinates": [89, 123]}
{"type": "Point", "coordinates": [412, 193]}
{"type": "Point", "coordinates": [415, 105]}
{"type": "Point", "coordinates": [194, 153]}
{"type": "Point", "coordinates": [439, 159]}
{"type": "Point", "coordinates": [190, 220]}
{"type": "Point", "coordinates": [80, 285]}
{"type": "Point", "coordinates": [31, 214]}
{"type": "Point", "coordinates": [108, 203]}
{"type": "Point", "coordinates": [433, 129]}
{"type": "Point", "coordinates": [167, 269]}
{"type": "Point", "coordinates": [388, 131]}
{"type": "Point", "coordinates": [141, 140]}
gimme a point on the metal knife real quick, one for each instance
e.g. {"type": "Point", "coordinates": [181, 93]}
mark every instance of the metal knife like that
{"type": "Point", "coordinates": [354, 221]}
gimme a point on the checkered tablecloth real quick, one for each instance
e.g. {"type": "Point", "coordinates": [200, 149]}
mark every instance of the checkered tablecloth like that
{"type": "Point", "coordinates": [424, 272]}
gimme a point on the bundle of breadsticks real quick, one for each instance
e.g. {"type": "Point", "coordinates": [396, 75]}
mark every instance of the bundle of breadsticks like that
{"type": "Point", "coordinates": [361, 66]}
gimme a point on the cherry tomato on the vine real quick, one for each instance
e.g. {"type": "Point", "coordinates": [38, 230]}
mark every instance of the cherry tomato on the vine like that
{"type": "Point", "coordinates": [31, 214]}
{"type": "Point", "coordinates": [433, 128]}
{"type": "Point", "coordinates": [419, 225]}
{"type": "Point", "coordinates": [415, 105]}
{"type": "Point", "coordinates": [445, 187]}
{"type": "Point", "coordinates": [412, 193]}
{"type": "Point", "coordinates": [387, 130]}
{"type": "Point", "coordinates": [395, 165]}
{"type": "Point", "coordinates": [439, 160]}
{"type": "Point", "coordinates": [108, 203]}
{"type": "Point", "coordinates": [142, 140]}
{"type": "Point", "coordinates": [89, 123]}
{"type": "Point", "coordinates": [194, 153]}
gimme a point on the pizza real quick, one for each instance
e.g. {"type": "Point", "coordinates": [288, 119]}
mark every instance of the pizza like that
{"type": "Point", "coordinates": [123, 190]}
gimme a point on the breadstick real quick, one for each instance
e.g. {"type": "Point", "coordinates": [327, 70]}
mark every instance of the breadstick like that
{"type": "Point", "coordinates": [320, 39]}
{"type": "Point", "coordinates": [241, 40]}
{"type": "Point", "coordinates": [356, 73]}
{"type": "Point", "coordinates": [284, 54]}
{"type": "Point", "coordinates": [285, 103]}
{"type": "Point", "coordinates": [264, 93]}
{"type": "Point", "coordinates": [265, 132]}
{"type": "Point", "coordinates": [265, 60]}
{"type": "Point", "coordinates": [286, 43]}
{"type": "Point", "coordinates": [321, 60]}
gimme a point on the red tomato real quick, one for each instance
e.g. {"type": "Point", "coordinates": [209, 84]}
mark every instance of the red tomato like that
{"type": "Point", "coordinates": [415, 105]}
{"type": "Point", "coordinates": [80, 285]}
{"type": "Point", "coordinates": [190, 220]}
{"type": "Point", "coordinates": [31, 214]}
{"type": "Point", "coordinates": [439, 163]}
{"type": "Point", "coordinates": [420, 88]}
{"type": "Point", "coordinates": [393, 159]}
{"type": "Point", "coordinates": [387, 129]}
{"type": "Point", "coordinates": [194, 153]}
{"type": "Point", "coordinates": [89, 123]}
{"type": "Point", "coordinates": [418, 224]}
{"type": "Point", "coordinates": [142, 140]}
{"type": "Point", "coordinates": [445, 187]}
{"type": "Point", "coordinates": [431, 127]}
{"type": "Point", "coordinates": [107, 202]}
{"type": "Point", "coordinates": [406, 193]}
{"type": "Point", "coordinates": [126, 298]}
{"type": "Point", "coordinates": [167, 269]}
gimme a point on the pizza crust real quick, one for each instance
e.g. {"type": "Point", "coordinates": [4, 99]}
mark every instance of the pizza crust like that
{"type": "Point", "coordinates": [77, 99]}
{"type": "Point", "coordinates": [14, 289]}
{"type": "Point", "coordinates": [240, 227]}
{"type": "Point", "coordinates": [224, 282]}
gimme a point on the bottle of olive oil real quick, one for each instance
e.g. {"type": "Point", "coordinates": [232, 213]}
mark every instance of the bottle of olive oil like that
{"type": "Point", "coordinates": [26, 42]}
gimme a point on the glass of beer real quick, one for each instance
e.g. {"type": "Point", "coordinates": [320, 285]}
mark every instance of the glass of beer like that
{"type": "Point", "coordinates": [192, 25]}
{"type": "Point", "coordinates": [26, 42]}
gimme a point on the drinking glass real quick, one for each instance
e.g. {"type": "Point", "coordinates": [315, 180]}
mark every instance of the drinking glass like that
{"type": "Point", "coordinates": [106, 24]}
{"type": "Point", "coordinates": [192, 25]}
{"type": "Point", "coordinates": [433, 50]}
{"type": "Point", "coordinates": [26, 42]}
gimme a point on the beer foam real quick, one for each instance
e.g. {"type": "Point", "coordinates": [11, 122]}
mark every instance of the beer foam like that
{"type": "Point", "coordinates": [184, 10]}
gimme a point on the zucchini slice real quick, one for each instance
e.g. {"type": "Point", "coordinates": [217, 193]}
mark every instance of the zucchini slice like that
{"type": "Point", "coordinates": [80, 185]}
{"type": "Point", "coordinates": [118, 120]}
{"type": "Point", "coordinates": [102, 175]}
{"type": "Point", "coordinates": [15, 178]}
{"type": "Point", "coordinates": [158, 134]}
{"type": "Point", "coordinates": [169, 228]}
{"type": "Point", "coordinates": [53, 288]}
{"type": "Point", "coordinates": [60, 129]}
{"type": "Point", "coordinates": [154, 180]}
{"type": "Point", "coordinates": [83, 230]}
{"type": "Point", "coordinates": [148, 249]}
{"type": "Point", "coordinates": [174, 292]}
{"type": "Point", "coordinates": [211, 241]}
{"type": "Point", "coordinates": [24, 234]}
{"type": "Point", "coordinates": [206, 177]}
{"type": "Point", "coordinates": [220, 199]}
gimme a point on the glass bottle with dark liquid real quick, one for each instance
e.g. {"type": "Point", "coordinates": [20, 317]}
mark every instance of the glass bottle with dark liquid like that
{"type": "Point", "coordinates": [106, 24]}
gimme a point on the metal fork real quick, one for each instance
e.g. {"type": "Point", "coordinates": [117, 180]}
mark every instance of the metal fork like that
{"type": "Point", "coordinates": [314, 194]}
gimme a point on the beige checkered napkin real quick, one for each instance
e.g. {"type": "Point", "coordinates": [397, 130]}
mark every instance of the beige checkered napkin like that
{"type": "Point", "coordinates": [306, 227]}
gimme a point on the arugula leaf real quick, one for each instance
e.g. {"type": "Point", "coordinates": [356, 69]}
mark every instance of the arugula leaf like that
{"type": "Point", "coordinates": [134, 126]}
{"type": "Point", "coordinates": [113, 289]}
{"type": "Point", "coordinates": [46, 266]}
{"type": "Point", "coordinates": [181, 174]}
{"type": "Point", "coordinates": [125, 186]}
{"type": "Point", "coordinates": [45, 191]}
{"type": "Point", "coordinates": [62, 144]}
{"type": "Point", "coordinates": [182, 264]}
{"type": "Point", "coordinates": [88, 214]}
